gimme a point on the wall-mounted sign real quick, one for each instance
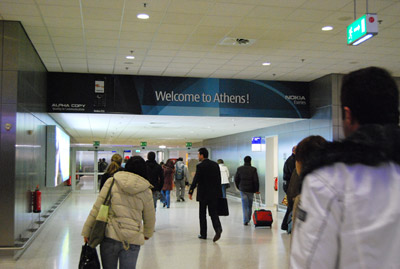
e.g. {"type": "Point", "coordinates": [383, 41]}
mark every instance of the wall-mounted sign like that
{"type": "Point", "coordinates": [362, 29]}
{"type": "Point", "coordinates": [188, 144]}
{"type": "Point", "coordinates": [143, 144]}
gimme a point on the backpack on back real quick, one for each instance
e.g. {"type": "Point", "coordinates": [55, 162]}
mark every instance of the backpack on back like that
{"type": "Point", "coordinates": [179, 172]}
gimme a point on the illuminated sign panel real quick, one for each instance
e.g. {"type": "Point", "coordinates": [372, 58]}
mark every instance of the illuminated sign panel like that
{"type": "Point", "coordinates": [362, 29]}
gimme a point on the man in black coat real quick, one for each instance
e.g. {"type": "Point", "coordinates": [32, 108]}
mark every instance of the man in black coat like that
{"type": "Point", "coordinates": [208, 181]}
{"type": "Point", "coordinates": [155, 175]}
{"type": "Point", "coordinates": [246, 180]}
{"type": "Point", "coordinates": [288, 168]}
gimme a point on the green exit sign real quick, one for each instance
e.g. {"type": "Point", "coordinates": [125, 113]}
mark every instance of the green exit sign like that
{"type": "Point", "coordinates": [143, 144]}
{"type": "Point", "coordinates": [96, 143]}
{"type": "Point", "coordinates": [188, 144]}
{"type": "Point", "coordinates": [362, 29]}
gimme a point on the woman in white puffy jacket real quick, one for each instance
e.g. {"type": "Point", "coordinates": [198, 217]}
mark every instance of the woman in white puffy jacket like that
{"type": "Point", "coordinates": [131, 216]}
{"type": "Point", "coordinates": [224, 176]}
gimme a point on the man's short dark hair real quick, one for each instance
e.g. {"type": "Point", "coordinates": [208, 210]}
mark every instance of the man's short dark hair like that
{"type": "Point", "coordinates": [247, 159]}
{"type": "Point", "coordinates": [204, 152]}
{"type": "Point", "coordinates": [180, 159]}
{"type": "Point", "coordinates": [151, 156]}
{"type": "Point", "coordinates": [372, 96]}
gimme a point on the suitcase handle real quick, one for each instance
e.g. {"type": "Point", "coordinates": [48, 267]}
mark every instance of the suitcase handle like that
{"type": "Point", "coordinates": [259, 200]}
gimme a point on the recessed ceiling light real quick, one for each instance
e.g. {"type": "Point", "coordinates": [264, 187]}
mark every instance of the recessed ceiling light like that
{"type": "Point", "coordinates": [266, 63]}
{"type": "Point", "coordinates": [162, 147]}
{"type": "Point", "coordinates": [142, 16]}
{"type": "Point", "coordinates": [327, 28]}
{"type": "Point", "coordinates": [130, 57]}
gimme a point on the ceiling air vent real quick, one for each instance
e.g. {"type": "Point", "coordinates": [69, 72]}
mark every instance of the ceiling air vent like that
{"type": "Point", "coordinates": [232, 41]}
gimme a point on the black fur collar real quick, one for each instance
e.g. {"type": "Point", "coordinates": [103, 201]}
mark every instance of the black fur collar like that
{"type": "Point", "coordinates": [370, 145]}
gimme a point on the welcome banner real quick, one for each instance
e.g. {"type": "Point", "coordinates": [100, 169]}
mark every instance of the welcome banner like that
{"type": "Point", "coordinates": [151, 95]}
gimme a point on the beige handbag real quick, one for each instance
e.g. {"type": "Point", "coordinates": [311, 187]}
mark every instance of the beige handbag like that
{"type": "Point", "coordinates": [99, 228]}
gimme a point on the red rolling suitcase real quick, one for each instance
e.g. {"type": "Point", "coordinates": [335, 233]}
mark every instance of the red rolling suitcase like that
{"type": "Point", "coordinates": [261, 217]}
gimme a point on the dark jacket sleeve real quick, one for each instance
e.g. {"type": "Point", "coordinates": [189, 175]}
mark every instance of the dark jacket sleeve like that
{"type": "Point", "coordinates": [256, 181]}
{"type": "Point", "coordinates": [195, 180]}
{"type": "Point", "coordinates": [287, 171]}
{"type": "Point", "coordinates": [237, 179]}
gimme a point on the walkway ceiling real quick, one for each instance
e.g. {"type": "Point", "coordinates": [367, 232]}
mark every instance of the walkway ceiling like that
{"type": "Point", "coordinates": [183, 38]}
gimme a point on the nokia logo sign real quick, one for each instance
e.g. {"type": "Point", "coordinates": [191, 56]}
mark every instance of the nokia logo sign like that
{"type": "Point", "coordinates": [297, 99]}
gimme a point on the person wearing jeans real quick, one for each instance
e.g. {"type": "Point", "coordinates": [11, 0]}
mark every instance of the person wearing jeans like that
{"type": "Point", "coordinates": [131, 217]}
{"type": "Point", "coordinates": [246, 180]}
{"type": "Point", "coordinates": [169, 170]}
{"type": "Point", "coordinates": [247, 205]}
{"type": "Point", "coordinates": [112, 251]}
{"type": "Point", "coordinates": [166, 198]}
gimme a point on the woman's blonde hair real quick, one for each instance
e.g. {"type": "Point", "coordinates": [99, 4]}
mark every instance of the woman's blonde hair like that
{"type": "Point", "coordinates": [115, 164]}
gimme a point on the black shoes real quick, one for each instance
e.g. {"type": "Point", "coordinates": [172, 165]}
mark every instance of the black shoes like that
{"type": "Point", "coordinates": [246, 223]}
{"type": "Point", "coordinates": [202, 237]}
{"type": "Point", "coordinates": [178, 200]}
{"type": "Point", "coordinates": [183, 200]}
{"type": "Point", "coordinates": [217, 235]}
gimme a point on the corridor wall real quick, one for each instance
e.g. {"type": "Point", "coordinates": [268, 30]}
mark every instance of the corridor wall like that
{"type": "Point", "coordinates": [23, 135]}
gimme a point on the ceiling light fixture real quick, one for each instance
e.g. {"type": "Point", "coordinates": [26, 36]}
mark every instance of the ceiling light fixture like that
{"type": "Point", "coordinates": [130, 57]}
{"type": "Point", "coordinates": [162, 147]}
{"type": "Point", "coordinates": [327, 28]}
{"type": "Point", "coordinates": [266, 63]}
{"type": "Point", "coordinates": [143, 16]}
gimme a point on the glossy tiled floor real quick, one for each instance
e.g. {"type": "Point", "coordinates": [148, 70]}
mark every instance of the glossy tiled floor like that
{"type": "Point", "coordinates": [174, 244]}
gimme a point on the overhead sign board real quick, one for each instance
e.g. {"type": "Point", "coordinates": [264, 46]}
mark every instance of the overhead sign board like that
{"type": "Point", "coordinates": [362, 29]}
{"type": "Point", "coordinates": [143, 144]}
{"type": "Point", "coordinates": [188, 144]}
{"type": "Point", "coordinates": [96, 143]}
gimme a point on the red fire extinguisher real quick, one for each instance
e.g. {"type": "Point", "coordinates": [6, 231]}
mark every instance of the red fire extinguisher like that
{"type": "Point", "coordinates": [37, 200]}
{"type": "Point", "coordinates": [276, 184]}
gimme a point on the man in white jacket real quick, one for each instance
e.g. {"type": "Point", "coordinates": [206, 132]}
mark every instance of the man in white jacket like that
{"type": "Point", "coordinates": [349, 213]}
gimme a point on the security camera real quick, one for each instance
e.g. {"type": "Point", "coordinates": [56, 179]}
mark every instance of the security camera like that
{"type": "Point", "coordinates": [143, 147]}
{"type": "Point", "coordinates": [188, 148]}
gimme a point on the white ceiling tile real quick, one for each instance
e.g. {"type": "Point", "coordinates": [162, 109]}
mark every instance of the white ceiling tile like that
{"type": "Point", "coordinates": [179, 18]}
{"type": "Point", "coordinates": [103, 3]}
{"type": "Point", "coordinates": [19, 9]}
{"type": "Point", "coordinates": [66, 32]}
{"type": "Point", "coordinates": [159, 52]}
{"type": "Point", "coordinates": [69, 54]}
{"type": "Point", "coordinates": [101, 24]}
{"type": "Point", "coordinates": [191, 7]}
{"type": "Point", "coordinates": [221, 21]}
{"type": "Point", "coordinates": [64, 12]}
{"type": "Point", "coordinates": [102, 42]}
{"type": "Point", "coordinates": [101, 34]}
{"type": "Point", "coordinates": [175, 28]}
{"type": "Point", "coordinates": [60, 47]}
{"type": "Point", "coordinates": [76, 41]}
{"type": "Point", "coordinates": [78, 61]}
{"type": "Point", "coordinates": [96, 13]}
{"type": "Point", "coordinates": [62, 22]}
{"type": "Point", "coordinates": [227, 9]}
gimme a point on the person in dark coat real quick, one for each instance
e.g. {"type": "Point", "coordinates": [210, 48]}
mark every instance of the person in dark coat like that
{"type": "Point", "coordinates": [155, 175]}
{"type": "Point", "coordinates": [288, 171]}
{"type": "Point", "coordinates": [246, 180]}
{"type": "Point", "coordinates": [208, 181]}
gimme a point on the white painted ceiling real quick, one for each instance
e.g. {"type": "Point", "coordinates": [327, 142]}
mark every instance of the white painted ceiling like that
{"type": "Point", "coordinates": [171, 131]}
{"type": "Point", "coordinates": [182, 38]}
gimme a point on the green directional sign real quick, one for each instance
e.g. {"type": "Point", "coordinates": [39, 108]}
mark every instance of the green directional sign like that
{"type": "Point", "coordinates": [188, 144]}
{"type": "Point", "coordinates": [96, 143]}
{"type": "Point", "coordinates": [143, 144]}
{"type": "Point", "coordinates": [357, 29]}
